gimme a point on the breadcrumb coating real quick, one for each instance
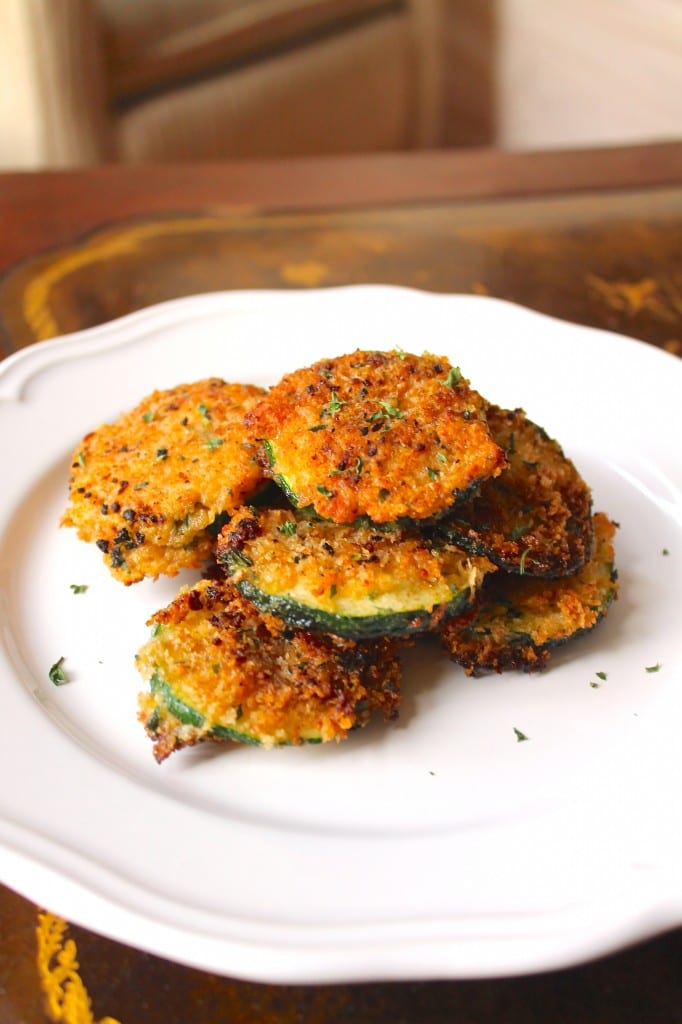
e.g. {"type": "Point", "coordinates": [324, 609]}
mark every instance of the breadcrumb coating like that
{"type": "Point", "coordinates": [220, 670]}
{"type": "Point", "coordinates": [357, 581]}
{"type": "Point", "coordinates": [384, 435]}
{"type": "Point", "coordinates": [147, 488]}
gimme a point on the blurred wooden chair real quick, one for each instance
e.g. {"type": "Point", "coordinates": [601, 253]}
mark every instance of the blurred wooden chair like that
{"type": "Point", "coordinates": [88, 81]}
{"type": "Point", "coordinates": [158, 80]}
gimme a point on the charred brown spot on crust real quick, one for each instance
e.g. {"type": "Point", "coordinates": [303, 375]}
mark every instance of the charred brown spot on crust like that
{"type": "Point", "coordinates": [241, 529]}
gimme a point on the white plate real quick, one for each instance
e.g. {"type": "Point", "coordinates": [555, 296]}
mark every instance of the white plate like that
{"type": "Point", "coordinates": [437, 847]}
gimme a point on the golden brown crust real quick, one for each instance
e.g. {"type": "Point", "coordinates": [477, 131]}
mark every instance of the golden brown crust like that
{"type": "Point", "coordinates": [537, 512]}
{"type": "Point", "coordinates": [517, 620]}
{"type": "Point", "coordinates": [245, 672]}
{"type": "Point", "coordinates": [146, 487]}
{"type": "Point", "coordinates": [380, 434]}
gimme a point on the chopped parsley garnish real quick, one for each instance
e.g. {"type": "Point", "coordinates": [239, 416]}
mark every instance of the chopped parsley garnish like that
{"type": "Point", "coordinates": [57, 674]}
{"type": "Point", "coordinates": [81, 459]}
{"type": "Point", "coordinates": [388, 408]}
{"type": "Point", "coordinates": [215, 668]}
{"type": "Point", "coordinates": [600, 675]}
{"type": "Point", "coordinates": [453, 378]}
{"type": "Point", "coordinates": [214, 442]}
{"type": "Point", "coordinates": [78, 588]}
{"type": "Point", "coordinates": [441, 456]}
{"type": "Point", "coordinates": [240, 558]}
{"type": "Point", "coordinates": [318, 426]}
{"type": "Point", "coordinates": [203, 411]}
{"type": "Point", "coordinates": [334, 405]}
{"type": "Point", "coordinates": [433, 473]}
{"type": "Point", "coordinates": [288, 528]}
{"type": "Point", "coordinates": [654, 668]}
{"type": "Point", "coordinates": [148, 416]}
{"type": "Point", "coordinates": [325, 491]}
{"type": "Point", "coordinates": [665, 551]}
{"type": "Point", "coordinates": [161, 454]}
{"type": "Point", "coordinates": [358, 466]}
{"type": "Point", "coordinates": [519, 531]}
{"type": "Point", "coordinates": [520, 736]}
{"type": "Point", "coordinates": [594, 685]}
{"type": "Point", "coordinates": [383, 494]}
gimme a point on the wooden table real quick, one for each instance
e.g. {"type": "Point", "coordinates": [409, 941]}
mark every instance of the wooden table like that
{"type": "Point", "coordinates": [595, 237]}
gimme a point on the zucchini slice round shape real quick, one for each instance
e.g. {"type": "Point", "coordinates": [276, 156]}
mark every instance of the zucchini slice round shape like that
{"type": "Point", "coordinates": [219, 670]}
{"type": "Point", "coordinates": [535, 518]}
{"type": "Point", "coordinates": [386, 435]}
{"type": "Point", "coordinates": [148, 488]}
{"type": "Point", "coordinates": [352, 581]}
{"type": "Point", "coordinates": [517, 620]}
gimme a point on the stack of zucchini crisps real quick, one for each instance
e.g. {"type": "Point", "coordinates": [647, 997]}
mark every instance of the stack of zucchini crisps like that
{"type": "Point", "coordinates": [359, 504]}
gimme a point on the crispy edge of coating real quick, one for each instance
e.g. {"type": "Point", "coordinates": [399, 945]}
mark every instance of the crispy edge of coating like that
{"type": "Point", "coordinates": [553, 536]}
{"type": "Point", "coordinates": [583, 597]}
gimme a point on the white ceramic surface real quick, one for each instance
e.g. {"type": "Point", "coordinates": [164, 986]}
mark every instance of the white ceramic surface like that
{"type": "Point", "coordinates": [436, 847]}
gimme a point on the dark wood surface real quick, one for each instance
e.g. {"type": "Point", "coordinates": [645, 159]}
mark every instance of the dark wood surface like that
{"type": "Point", "coordinates": [592, 237]}
{"type": "Point", "coordinates": [609, 260]}
{"type": "Point", "coordinates": [38, 211]}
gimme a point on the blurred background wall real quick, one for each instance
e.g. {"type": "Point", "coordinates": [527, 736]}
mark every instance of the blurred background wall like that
{"type": "Point", "coordinates": [87, 81]}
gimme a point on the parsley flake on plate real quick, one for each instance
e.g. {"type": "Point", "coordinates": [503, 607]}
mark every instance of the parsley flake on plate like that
{"type": "Point", "coordinates": [57, 674]}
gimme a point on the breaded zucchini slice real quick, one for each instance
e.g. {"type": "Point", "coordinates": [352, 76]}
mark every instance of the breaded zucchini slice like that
{"type": "Point", "coordinates": [219, 670]}
{"type": "Point", "coordinates": [147, 488]}
{"type": "Point", "coordinates": [383, 435]}
{"type": "Point", "coordinates": [354, 581]}
{"type": "Point", "coordinates": [536, 515]}
{"type": "Point", "coordinates": [517, 620]}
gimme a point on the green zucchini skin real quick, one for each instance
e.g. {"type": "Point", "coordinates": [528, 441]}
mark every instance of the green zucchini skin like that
{"type": "Point", "coordinates": [343, 580]}
{"type": "Point", "coordinates": [359, 627]}
{"type": "Point", "coordinates": [189, 716]}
